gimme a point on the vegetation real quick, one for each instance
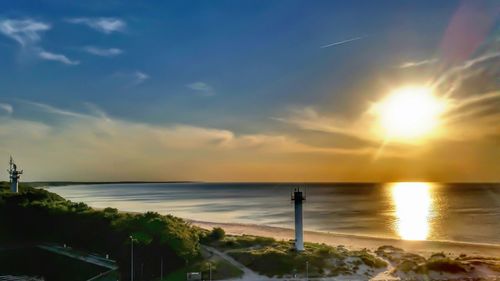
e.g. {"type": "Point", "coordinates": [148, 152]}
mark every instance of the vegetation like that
{"type": "Point", "coordinates": [37, 262]}
{"type": "Point", "coordinates": [220, 269]}
{"type": "Point", "coordinates": [36, 216]}
{"type": "Point", "coordinates": [442, 265]}
{"type": "Point", "coordinates": [208, 237]}
{"type": "Point", "coordinates": [273, 258]}
{"type": "Point", "coordinates": [410, 264]}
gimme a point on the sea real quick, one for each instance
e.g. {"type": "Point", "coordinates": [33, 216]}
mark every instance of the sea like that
{"type": "Point", "coordinates": [403, 210]}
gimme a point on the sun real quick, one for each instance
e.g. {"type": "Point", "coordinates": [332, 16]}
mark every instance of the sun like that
{"type": "Point", "coordinates": [409, 113]}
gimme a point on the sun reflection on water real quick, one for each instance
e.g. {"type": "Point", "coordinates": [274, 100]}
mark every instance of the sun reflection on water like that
{"type": "Point", "coordinates": [413, 205]}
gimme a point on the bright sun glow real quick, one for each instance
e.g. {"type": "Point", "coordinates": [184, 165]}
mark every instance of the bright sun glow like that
{"type": "Point", "coordinates": [413, 204]}
{"type": "Point", "coordinates": [409, 113]}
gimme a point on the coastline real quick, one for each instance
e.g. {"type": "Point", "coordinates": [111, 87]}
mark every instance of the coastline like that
{"type": "Point", "coordinates": [355, 242]}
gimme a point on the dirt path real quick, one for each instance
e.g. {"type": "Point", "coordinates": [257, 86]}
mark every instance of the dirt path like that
{"type": "Point", "coordinates": [247, 273]}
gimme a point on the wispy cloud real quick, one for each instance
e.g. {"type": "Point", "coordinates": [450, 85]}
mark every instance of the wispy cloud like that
{"type": "Point", "coordinates": [57, 57]}
{"type": "Point", "coordinates": [308, 118]}
{"type": "Point", "coordinates": [103, 24]}
{"type": "Point", "coordinates": [131, 79]}
{"type": "Point", "coordinates": [139, 77]}
{"type": "Point", "coordinates": [201, 87]}
{"type": "Point", "coordinates": [9, 109]}
{"type": "Point", "coordinates": [103, 52]}
{"type": "Point", "coordinates": [25, 32]}
{"type": "Point", "coordinates": [102, 142]}
{"type": "Point", "coordinates": [470, 91]}
{"type": "Point", "coordinates": [342, 42]}
{"type": "Point", "coordinates": [417, 63]}
{"type": "Point", "coordinates": [54, 110]}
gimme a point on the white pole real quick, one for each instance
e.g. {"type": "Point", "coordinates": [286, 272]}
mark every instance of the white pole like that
{"type": "Point", "coordinates": [131, 258]}
{"type": "Point", "coordinates": [299, 232]}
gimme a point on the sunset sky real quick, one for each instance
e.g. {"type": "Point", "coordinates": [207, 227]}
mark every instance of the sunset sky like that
{"type": "Point", "coordinates": [251, 90]}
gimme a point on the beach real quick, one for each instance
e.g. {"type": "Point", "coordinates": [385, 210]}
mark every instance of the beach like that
{"type": "Point", "coordinates": [465, 213]}
{"type": "Point", "coordinates": [355, 242]}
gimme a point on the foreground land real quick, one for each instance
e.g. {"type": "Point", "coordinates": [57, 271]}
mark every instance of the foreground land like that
{"type": "Point", "coordinates": [170, 247]}
{"type": "Point", "coordinates": [353, 242]}
{"type": "Point", "coordinates": [346, 257]}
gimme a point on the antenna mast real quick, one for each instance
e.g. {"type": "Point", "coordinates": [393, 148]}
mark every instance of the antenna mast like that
{"type": "Point", "coordinates": [14, 176]}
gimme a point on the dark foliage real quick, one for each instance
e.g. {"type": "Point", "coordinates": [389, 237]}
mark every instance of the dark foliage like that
{"type": "Point", "coordinates": [37, 216]}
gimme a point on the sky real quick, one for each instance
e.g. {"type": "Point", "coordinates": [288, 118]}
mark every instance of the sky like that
{"type": "Point", "coordinates": [277, 90]}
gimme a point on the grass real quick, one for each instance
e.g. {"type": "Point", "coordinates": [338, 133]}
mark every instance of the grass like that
{"type": "Point", "coordinates": [273, 258]}
{"type": "Point", "coordinates": [438, 262]}
{"type": "Point", "coordinates": [221, 269]}
{"type": "Point", "coordinates": [442, 265]}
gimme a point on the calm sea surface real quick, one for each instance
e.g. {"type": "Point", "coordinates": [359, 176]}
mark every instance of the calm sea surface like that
{"type": "Point", "coordinates": [414, 211]}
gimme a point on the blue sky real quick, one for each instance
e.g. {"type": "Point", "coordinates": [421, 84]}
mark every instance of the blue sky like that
{"type": "Point", "coordinates": [239, 66]}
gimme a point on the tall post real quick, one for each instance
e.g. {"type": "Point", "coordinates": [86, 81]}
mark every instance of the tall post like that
{"type": "Point", "coordinates": [131, 258]}
{"type": "Point", "coordinates": [298, 197]}
{"type": "Point", "coordinates": [14, 176]}
{"type": "Point", "coordinates": [307, 270]}
{"type": "Point", "coordinates": [161, 268]}
{"type": "Point", "coordinates": [210, 271]}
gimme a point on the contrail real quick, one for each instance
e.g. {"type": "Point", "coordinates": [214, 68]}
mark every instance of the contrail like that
{"type": "Point", "coordinates": [342, 42]}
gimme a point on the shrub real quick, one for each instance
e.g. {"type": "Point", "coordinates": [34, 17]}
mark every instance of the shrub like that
{"type": "Point", "coordinates": [217, 234]}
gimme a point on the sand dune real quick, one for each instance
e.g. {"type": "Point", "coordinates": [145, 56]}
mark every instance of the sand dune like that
{"type": "Point", "coordinates": [424, 248]}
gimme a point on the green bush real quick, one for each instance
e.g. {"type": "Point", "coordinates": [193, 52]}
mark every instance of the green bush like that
{"type": "Point", "coordinates": [269, 257]}
{"type": "Point", "coordinates": [37, 215]}
{"type": "Point", "coordinates": [442, 265]}
{"type": "Point", "coordinates": [217, 234]}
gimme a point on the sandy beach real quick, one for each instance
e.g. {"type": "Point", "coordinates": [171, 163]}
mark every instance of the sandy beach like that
{"type": "Point", "coordinates": [354, 242]}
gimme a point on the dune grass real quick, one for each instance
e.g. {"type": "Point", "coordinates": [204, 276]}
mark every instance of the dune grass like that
{"type": "Point", "coordinates": [273, 258]}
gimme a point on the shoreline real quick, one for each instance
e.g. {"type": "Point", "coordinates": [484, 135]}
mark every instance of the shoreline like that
{"type": "Point", "coordinates": [352, 241]}
{"type": "Point", "coordinates": [357, 242]}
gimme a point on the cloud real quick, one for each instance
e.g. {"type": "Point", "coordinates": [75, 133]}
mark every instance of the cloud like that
{"type": "Point", "coordinates": [308, 119]}
{"type": "Point", "coordinates": [54, 110]}
{"type": "Point", "coordinates": [110, 148]}
{"type": "Point", "coordinates": [417, 63]}
{"type": "Point", "coordinates": [9, 109]}
{"type": "Point", "coordinates": [470, 90]}
{"type": "Point", "coordinates": [139, 77]}
{"type": "Point", "coordinates": [454, 76]}
{"type": "Point", "coordinates": [202, 88]}
{"type": "Point", "coordinates": [104, 25]}
{"type": "Point", "coordinates": [97, 124]}
{"type": "Point", "coordinates": [342, 42]}
{"type": "Point", "coordinates": [103, 52]}
{"type": "Point", "coordinates": [131, 79]}
{"type": "Point", "coordinates": [91, 145]}
{"type": "Point", "coordinates": [57, 57]}
{"type": "Point", "coordinates": [25, 32]}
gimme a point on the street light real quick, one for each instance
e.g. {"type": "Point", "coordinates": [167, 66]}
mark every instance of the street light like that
{"type": "Point", "coordinates": [210, 271]}
{"type": "Point", "coordinates": [161, 268]}
{"type": "Point", "coordinates": [131, 258]}
{"type": "Point", "coordinates": [307, 270]}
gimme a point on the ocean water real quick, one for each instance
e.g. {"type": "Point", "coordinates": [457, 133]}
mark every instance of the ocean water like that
{"type": "Point", "coordinates": [412, 211]}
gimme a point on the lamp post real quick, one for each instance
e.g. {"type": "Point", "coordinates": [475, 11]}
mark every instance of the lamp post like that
{"type": "Point", "coordinates": [131, 258]}
{"type": "Point", "coordinates": [210, 271]}
{"type": "Point", "coordinates": [307, 271]}
{"type": "Point", "coordinates": [161, 268]}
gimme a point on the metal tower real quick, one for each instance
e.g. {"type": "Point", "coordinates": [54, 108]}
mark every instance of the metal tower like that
{"type": "Point", "coordinates": [14, 176]}
{"type": "Point", "coordinates": [298, 197]}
